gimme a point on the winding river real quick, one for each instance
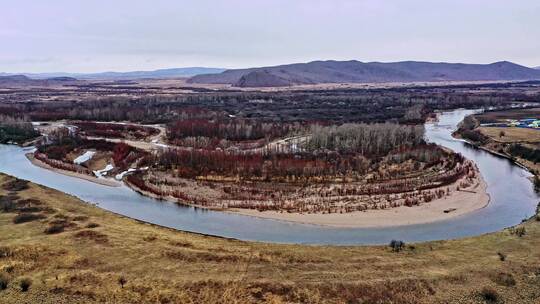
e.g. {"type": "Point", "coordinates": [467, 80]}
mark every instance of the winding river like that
{"type": "Point", "coordinates": [512, 199]}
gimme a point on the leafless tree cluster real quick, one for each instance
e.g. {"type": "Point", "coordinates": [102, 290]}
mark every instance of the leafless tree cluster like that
{"type": "Point", "coordinates": [332, 183]}
{"type": "Point", "coordinates": [58, 164]}
{"type": "Point", "coordinates": [20, 122]}
{"type": "Point", "coordinates": [323, 198]}
{"type": "Point", "coordinates": [227, 132]}
{"type": "Point", "coordinates": [16, 129]}
{"type": "Point", "coordinates": [366, 139]}
{"type": "Point", "coordinates": [114, 130]}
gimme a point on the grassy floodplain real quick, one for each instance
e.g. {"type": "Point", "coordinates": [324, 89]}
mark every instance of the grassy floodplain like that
{"type": "Point", "coordinates": [73, 252]}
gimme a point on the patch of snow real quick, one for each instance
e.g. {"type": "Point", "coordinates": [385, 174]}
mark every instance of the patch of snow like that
{"type": "Point", "coordinates": [72, 129]}
{"type": "Point", "coordinates": [100, 173]}
{"type": "Point", "coordinates": [121, 175]}
{"type": "Point", "coordinates": [84, 158]}
{"type": "Point", "coordinates": [162, 145]}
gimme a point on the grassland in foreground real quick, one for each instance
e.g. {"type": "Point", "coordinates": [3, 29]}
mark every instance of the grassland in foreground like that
{"type": "Point", "coordinates": [72, 252]}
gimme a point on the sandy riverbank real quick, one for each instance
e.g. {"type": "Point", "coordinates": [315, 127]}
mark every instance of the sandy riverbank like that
{"type": "Point", "coordinates": [101, 181]}
{"type": "Point", "coordinates": [457, 203]}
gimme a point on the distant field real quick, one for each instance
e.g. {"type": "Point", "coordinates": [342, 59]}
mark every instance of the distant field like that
{"type": "Point", "coordinates": [512, 134]}
{"type": "Point", "coordinates": [93, 252]}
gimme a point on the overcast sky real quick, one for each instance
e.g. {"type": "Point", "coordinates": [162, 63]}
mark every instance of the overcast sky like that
{"type": "Point", "coordinates": [123, 35]}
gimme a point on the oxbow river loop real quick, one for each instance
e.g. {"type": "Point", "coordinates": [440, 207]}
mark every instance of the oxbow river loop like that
{"type": "Point", "coordinates": [512, 199]}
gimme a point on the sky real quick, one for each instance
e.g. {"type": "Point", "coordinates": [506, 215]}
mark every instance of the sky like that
{"type": "Point", "coordinates": [126, 35]}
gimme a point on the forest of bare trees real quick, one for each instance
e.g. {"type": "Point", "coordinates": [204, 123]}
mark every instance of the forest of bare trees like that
{"type": "Point", "coordinates": [229, 129]}
{"type": "Point", "coordinates": [366, 139]}
{"type": "Point", "coordinates": [410, 105]}
{"type": "Point", "coordinates": [327, 184]}
{"type": "Point", "coordinates": [114, 130]}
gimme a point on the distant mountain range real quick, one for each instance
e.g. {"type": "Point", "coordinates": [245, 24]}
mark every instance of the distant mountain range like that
{"type": "Point", "coordinates": [317, 72]}
{"type": "Point", "coordinates": [162, 73]}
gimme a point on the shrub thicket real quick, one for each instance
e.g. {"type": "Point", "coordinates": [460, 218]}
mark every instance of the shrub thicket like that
{"type": "Point", "coordinates": [25, 284]}
{"type": "Point", "coordinates": [397, 245]}
{"type": "Point", "coordinates": [27, 217]}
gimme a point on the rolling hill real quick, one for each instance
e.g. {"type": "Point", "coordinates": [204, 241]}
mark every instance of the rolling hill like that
{"type": "Point", "coordinates": [359, 72]}
{"type": "Point", "coordinates": [22, 80]}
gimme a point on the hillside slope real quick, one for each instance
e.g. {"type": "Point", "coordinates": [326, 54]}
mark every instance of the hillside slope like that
{"type": "Point", "coordinates": [74, 252]}
{"type": "Point", "coordinates": [21, 80]}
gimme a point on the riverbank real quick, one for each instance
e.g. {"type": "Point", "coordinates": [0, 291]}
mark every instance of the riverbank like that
{"type": "Point", "coordinates": [96, 250]}
{"type": "Point", "coordinates": [493, 146]}
{"type": "Point", "coordinates": [456, 204]}
{"type": "Point", "coordinates": [101, 181]}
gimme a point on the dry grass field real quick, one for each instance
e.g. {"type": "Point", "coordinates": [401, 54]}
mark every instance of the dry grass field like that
{"type": "Point", "coordinates": [65, 251]}
{"type": "Point", "coordinates": [512, 135]}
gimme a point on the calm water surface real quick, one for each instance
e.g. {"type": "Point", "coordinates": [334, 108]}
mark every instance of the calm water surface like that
{"type": "Point", "coordinates": [512, 199]}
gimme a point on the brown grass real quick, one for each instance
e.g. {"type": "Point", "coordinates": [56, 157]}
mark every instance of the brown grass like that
{"type": "Point", "coordinates": [161, 265]}
{"type": "Point", "coordinates": [512, 134]}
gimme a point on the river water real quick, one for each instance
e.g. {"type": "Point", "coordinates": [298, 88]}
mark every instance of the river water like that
{"type": "Point", "coordinates": [512, 199]}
